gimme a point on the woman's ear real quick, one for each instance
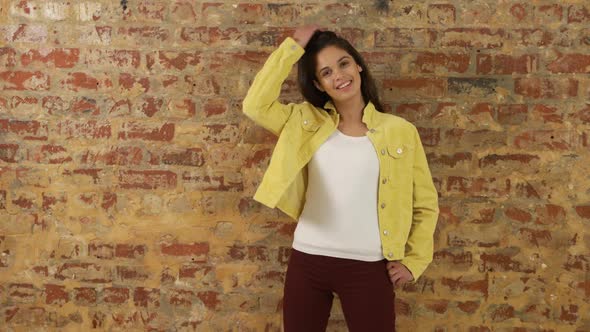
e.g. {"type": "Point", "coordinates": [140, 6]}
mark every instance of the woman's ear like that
{"type": "Point", "coordinates": [360, 68]}
{"type": "Point", "coordinates": [318, 86]}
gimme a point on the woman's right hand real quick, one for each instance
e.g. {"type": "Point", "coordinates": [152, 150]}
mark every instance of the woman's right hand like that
{"type": "Point", "coordinates": [304, 33]}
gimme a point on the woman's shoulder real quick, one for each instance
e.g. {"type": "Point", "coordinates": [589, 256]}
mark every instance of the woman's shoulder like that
{"type": "Point", "coordinates": [396, 122]}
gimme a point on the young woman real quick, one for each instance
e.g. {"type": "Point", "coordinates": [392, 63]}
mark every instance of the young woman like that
{"type": "Point", "coordinates": [355, 178]}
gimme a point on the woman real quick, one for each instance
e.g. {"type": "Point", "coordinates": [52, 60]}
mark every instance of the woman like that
{"type": "Point", "coordinates": [355, 178]}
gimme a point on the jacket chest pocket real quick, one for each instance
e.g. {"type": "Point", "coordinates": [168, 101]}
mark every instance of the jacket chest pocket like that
{"type": "Point", "coordinates": [399, 159]}
{"type": "Point", "coordinates": [309, 125]}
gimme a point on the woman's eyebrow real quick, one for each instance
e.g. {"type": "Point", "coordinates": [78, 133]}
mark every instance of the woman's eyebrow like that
{"type": "Point", "coordinates": [343, 57]}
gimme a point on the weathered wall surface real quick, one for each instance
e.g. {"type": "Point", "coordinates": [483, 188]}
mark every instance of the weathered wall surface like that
{"type": "Point", "coordinates": [127, 168]}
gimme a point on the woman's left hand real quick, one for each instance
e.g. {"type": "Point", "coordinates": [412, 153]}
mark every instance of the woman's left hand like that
{"type": "Point", "coordinates": [398, 273]}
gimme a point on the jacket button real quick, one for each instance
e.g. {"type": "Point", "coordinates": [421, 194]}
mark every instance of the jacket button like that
{"type": "Point", "coordinates": [399, 150]}
{"type": "Point", "coordinates": [305, 122]}
{"type": "Point", "coordinates": [372, 130]}
{"type": "Point", "coordinates": [382, 151]}
{"type": "Point", "coordinates": [385, 232]}
{"type": "Point", "coordinates": [390, 255]}
{"type": "Point", "coordinates": [383, 205]}
{"type": "Point", "coordinates": [384, 181]}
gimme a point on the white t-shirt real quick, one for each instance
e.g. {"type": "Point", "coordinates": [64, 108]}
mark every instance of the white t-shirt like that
{"type": "Point", "coordinates": [339, 218]}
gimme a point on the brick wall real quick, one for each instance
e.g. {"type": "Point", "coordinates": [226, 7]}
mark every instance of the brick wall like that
{"type": "Point", "coordinates": [127, 168]}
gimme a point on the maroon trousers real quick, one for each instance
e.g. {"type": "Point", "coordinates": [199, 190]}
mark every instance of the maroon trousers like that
{"type": "Point", "coordinates": [365, 291]}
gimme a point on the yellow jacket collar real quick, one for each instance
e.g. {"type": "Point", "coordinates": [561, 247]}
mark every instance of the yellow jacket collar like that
{"type": "Point", "coordinates": [368, 112]}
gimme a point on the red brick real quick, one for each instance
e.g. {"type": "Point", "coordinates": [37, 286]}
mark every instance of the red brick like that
{"type": "Point", "coordinates": [445, 257]}
{"type": "Point", "coordinates": [405, 38]}
{"type": "Point", "coordinates": [570, 63]}
{"type": "Point", "coordinates": [181, 297]}
{"type": "Point", "coordinates": [550, 214]}
{"type": "Point", "coordinates": [583, 211]}
{"type": "Point", "coordinates": [478, 187]}
{"type": "Point", "coordinates": [8, 152]}
{"type": "Point", "coordinates": [469, 307]}
{"type": "Point", "coordinates": [473, 37]}
{"type": "Point", "coordinates": [174, 60]}
{"type": "Point", "coordinates": [108, 200]}
{"type": "Point", "coordinates": [214, 107]}
{"type": "Point", "coordinates": [441, 14]}
{"type": "Point", "coordinates": [418, 87]}
{"type": "Point", "coordinates": [188, 157]}
{"type": "Point", "coordinates": [81, 81]}
{"type": "Point", "coordinates": [535, 237]}
{"type": "Point", "coordinates": [84, 272]}
{"type": "Point", "coordinates": [249, 13]}
{"type": "Point", "coordinates": [259, 158]}
{"type": "Point", "coordinates": [50, 154]}
{"type": "Point", "coordinates": [257, 135]}
{"type": "Point", "coordinates": [85, 295]}
{"type": "Point", "coordinates": [212, 182]}
{"type": "Point", "coordinates": [51, 199]}
{"type": "Point", "coordinates": [117, 155]}
{"type": "Point", "coordinates": [24, 80]}
{"type": "Point", "coordinates": [269, 37]}
{"type": "Point", "coordinates": [501, 260]}
{"type": "Point", "coordinates": [253, 253]}
{"type": "Point", "coordinates": [143, 297]}
{"type": "Point", "coordinates": [578, 14]}
{"type": "Point", "coordinates": [132, 273]}
{"type": "Point", "coordinates": [517, 214]}
{"type": "Point", "coordinates": [210, 36]}
{"type": "Point", "coordinates": [144, 35]}
{"type": "Point", "coordinates": [56, 294]}
{"type": "Point", "coordinates": [129, 251]}
{"type": "Point", "coordinates": [91, 129]}
{"type": "Point", "coordinates": [548, 14]}
{"type": "Point", "coordinates": [210, 299]}
{"type": "Point", "coordinates": [25, 33]}
{"type": "Point", "coordinates": [493, 159]}
{"type": "Point", "coordinates": [569, 313]}
{"type": "Point", "coordinates": [502, 64]}
{"type": "Point", "coordinates": [149, 179]}
{"type": "Point", "coordinates": [448, 160]}
{"type": "Point", "coordinates": [479, 287]}
{"type": "Point", "coordinates": [545, 139]}
{"type": "Point", "coordinates": [22, 292]}
{"type": "Point", "coordinates": [58, 57]}
{"type": "Point", "coordinates": [501, 312]}
{"type": "Point", "coordinates": [128, 81]}
{"type": "Point", "coordinates": [519, 11]}
{"type": "Point", "coordinates": [182, 11]}
{"type": "Point", "coordinates": [190, 270]}
{"type": "Point", "coordinates": [531, 37]}
{"type": "Point", "coordinates": [27, 129]}
{"type": "Point", "coordinates": [7, 57]}
{"type": "Point", "coordinates": [185, 249]}
{"type": "Point", "coordinates": [547, 113]}
{"type": "Point", "coordinates": [137, 130]}
{"type": "Point", "coordinates": [123, 59]}
{"type": "Point", "coordinates": [513, 114]}
{"type": "Point", "coordinates": [536, 87]}
{"type": "Point", "coordinates": [101, 250]}
{"type": "Point", "coordinates": [115, 295]}
{"type": "Point", "coordinates": [429, 63]}
{"type": "Point", "coordinates": [151, 10]}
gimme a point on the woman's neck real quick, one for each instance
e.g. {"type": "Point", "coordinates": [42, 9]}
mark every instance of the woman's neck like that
{"type": "Point", "coordinates": [351, 112]}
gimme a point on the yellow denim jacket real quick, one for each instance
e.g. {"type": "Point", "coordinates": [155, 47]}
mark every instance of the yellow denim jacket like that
{"type": "Point", "coordinates": [407, 199]}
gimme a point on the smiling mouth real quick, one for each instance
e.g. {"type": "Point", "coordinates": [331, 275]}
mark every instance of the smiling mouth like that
{"type": "Point", "coordinates": [342, 86]}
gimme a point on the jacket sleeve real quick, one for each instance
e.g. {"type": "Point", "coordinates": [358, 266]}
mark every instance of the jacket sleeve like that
{"type": "Point", "coordinates": [261, 104]}
{"type": "Point", "coordinates": [420, 246]}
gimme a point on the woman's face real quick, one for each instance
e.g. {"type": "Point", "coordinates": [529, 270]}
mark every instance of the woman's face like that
{"type": "Point", "coordinates": [338, 74]}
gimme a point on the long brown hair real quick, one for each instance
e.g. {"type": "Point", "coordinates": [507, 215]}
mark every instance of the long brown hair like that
{"type": "Point", "coordinates": [308, 62]}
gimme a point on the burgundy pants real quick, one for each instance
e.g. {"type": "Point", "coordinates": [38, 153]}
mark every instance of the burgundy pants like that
{"type": "Point", "coordinates": [365, 291]}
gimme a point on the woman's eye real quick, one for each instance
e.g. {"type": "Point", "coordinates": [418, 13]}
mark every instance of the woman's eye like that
{"type": "Point", "coordinates": [344, 64]}
{"type": "Point", "coordinates": [325, 73]}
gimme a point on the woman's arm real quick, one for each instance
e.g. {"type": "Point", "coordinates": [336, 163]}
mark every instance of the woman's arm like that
{"type": "Point", "coordinates": [261, 102]}
{"type": "Point", "coordinates": [420, 246]}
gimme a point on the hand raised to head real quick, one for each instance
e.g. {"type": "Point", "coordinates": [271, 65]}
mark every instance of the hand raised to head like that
{"type": "Point", "coordinates": [304, 33]}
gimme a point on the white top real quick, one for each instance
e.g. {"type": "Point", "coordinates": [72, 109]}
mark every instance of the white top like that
{"type": "Point", "coordinates": [339, 218]}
